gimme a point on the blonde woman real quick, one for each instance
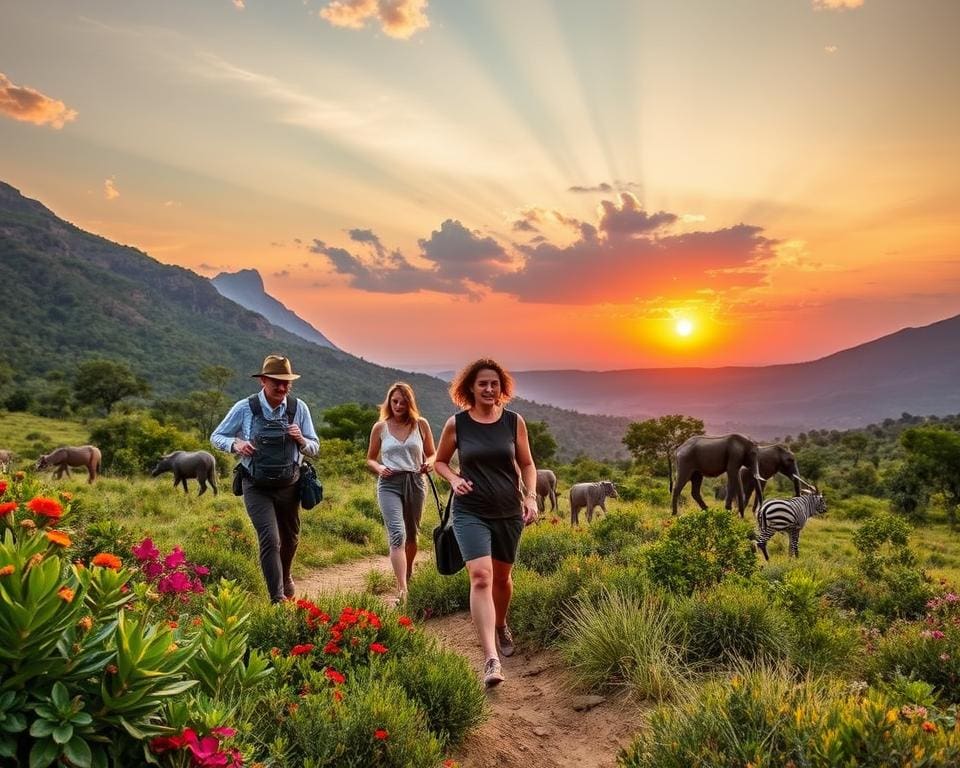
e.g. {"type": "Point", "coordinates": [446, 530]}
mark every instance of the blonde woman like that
{"type": "Point", "coordinates": [401, 452]}
{"type": "Point", "coordinates": [494, 498]}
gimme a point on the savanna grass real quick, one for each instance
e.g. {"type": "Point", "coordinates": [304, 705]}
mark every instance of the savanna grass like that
{"type": "Point", "coordinates": [625, 642]}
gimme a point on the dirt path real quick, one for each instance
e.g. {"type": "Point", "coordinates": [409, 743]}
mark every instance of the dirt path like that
{"type": "Point", "coordinates": [533, 723]}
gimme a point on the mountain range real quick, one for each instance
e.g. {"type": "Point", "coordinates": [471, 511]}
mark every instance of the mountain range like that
{"type": "Point", "coordinates": [69, 295]}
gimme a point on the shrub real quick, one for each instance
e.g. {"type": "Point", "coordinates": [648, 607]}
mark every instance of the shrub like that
{"type": "Point", "coordinates": [101, 536]}
{"type": "Point", "coordinates": [621, 641]}
{"type": "Point", "coordinates": [348, 526]}
{"type": "Point", "coordinates": [733, 622]}
{"type": "Point", "coordinates": [620, 531]}
{"type": "Point", "coordinates": [883, 542]}
{"type": "Point", "coordinates": [132, 443]}
{"type": "Point", "coordinates": [927, 650]}
{"type": "Point", "coordinates": [434, 595]}
{"type": "Point", "coordinates": [762, 717]}
{"type": "Point", "coordinates": [543, 547]}
{"type": "Point", "coordinates": [699, 550]}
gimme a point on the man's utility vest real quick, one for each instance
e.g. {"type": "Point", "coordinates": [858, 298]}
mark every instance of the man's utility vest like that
{"type": "Point", "coordinates": [275, 459]}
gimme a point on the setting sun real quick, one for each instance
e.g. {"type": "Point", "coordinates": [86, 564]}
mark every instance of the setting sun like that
{"type": "Point", "coordinates": [683, 327]}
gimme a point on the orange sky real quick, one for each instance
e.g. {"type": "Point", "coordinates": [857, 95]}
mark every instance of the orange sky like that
{"type": "Point", "coordinates": [552, 183]}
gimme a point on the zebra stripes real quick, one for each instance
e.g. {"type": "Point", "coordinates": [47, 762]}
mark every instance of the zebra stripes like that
{"type": "Point", "coordinates": [789, 515]}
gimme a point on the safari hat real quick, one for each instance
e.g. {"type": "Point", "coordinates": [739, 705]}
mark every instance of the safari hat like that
{"type": "Point", "coordinates": [277, 367]}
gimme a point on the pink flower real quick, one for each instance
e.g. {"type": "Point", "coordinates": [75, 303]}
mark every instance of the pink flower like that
{"type": "Point", "coordinates": [175, 582]}
{"type": "Point", "coordinates": [152, 570]}
{"type": "Point", "coordinates": [175, 559]}
{"type": "Point", "coordinates": [201, 570]}
{"type": "Point", "coordinates": [145, 550]}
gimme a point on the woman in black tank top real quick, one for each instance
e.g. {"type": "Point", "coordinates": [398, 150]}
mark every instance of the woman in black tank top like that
{"type": "Point", "coordinates": [494, 497]}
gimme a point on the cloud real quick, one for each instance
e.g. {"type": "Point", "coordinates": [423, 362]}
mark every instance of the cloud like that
{"type": "Point", "coordinates": [282, 273]}
{"type": "Point", "coordinates": [239, 4]}
{"type": "Point", "coordinates": [629, 219]}
{"type": "Point", "coordinates": [693, 218]}
{"type": "Point", "coordinates": [460, 254]}
{"type": "Point", "coordinates": [831, 48]}
{"type": "Point", "coordinates": [110, 191]}
{"type": "Point", "coordinates": [390, 274]}
{"type": "Point", "coordinates": [836, 5]}
{"type": "Point", "coordinates": [400, 19]}
{"type": "Point", "coordinates": [30, 106]}
{"type": "Point", "coordinates": [606, 188]}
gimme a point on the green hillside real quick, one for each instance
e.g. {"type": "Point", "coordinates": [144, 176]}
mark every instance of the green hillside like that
{"type": "Point", "coordinates": [69, 296]}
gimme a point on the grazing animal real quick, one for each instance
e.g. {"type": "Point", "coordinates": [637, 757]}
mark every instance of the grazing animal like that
{"type": "Point", "coordinates": [770, 460]}
{"type": "Point", "coordinates": [72, 456]}
{"type": "Point", "coordinates": [6, 459]}
{"type": "Point", "coordinates": [701, 457]}
{"type": "Point", "coordinates": [198, 465]}
{"type": "Point", "coordinates": [546, 488]}
{"type": "Point", "coordinates": [788, 515]}
{"type": "Point", "coordinates": [590, 495]}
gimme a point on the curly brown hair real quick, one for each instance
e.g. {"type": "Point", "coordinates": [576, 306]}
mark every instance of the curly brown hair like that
{"type": "Point", "coordinates": [461, 388]}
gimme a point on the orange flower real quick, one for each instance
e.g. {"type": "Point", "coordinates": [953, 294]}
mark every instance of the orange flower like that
{"type": "Point", "coordinates": [85, 623]}
{"type": "Point", "coordinates": [338, 695]}
{"type": "Point", "coordinates": [106, 560]}
{"type": "Point", "coordinates": [59, 537]}
{"type": "Point", "coordinates": [44, 505]}
{"type": "Point", "coordinates": [7, 570]}
{"type": "Point", "coordinates": [928, 726]}
{"type": "Point", "coordinates": [66, 594]}
{"type": "Point", "coordinates": [66, 495]}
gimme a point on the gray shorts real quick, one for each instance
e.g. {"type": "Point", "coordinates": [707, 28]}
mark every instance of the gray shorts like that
{"type": "Point", "coordinates": [496, 537]}
{"type": "Point", "coordinates": [401, 503]}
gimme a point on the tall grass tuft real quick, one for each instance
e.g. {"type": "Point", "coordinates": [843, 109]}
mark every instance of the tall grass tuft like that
{"type": "Point", "coordinates": [619, 641]}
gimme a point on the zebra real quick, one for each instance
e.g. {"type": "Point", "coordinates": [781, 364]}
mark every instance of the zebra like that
{"type": "Point", "coordinates": [787, 515]}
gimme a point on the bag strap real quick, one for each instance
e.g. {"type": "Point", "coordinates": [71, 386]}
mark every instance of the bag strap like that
{"type": "Point", "coordinates": [444, 512]}
{"type": "Point", "coordinates": [254, 402]}
{"type": "Point", "coordinates": [291, 409]}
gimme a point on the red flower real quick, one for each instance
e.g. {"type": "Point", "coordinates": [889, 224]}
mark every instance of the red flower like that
{"type": "Point", "coordinates": [106, 560]}
{"type": "Point", "coordinates": [338, 695]}
{"type": "Point", "coordinates": [300, 650]}
{"type": "Point", "coordinates": [44, 505]}
{"type": "Point", "coordinates": [331, 648]}
{"type": "Point", "coordinates": [405, 621]}
{"type": "Point", "coordinates": [162, 744]}
{"type": "Point", "coordinates": [334, 676]}
{"type": "Point", "coordinates": [378, 648]}
{"type": "Point", "coordinates": [381, 735]}
{"type": "Point", "coordinates": [3, 487]}
{"type": "Point", "coordinates": [7, 507]}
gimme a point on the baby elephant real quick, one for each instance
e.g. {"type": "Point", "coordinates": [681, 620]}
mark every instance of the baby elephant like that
{"type": "Point", "coordinates": [590, 495]}
{"type": "Point", "coordinates": [199, 465]}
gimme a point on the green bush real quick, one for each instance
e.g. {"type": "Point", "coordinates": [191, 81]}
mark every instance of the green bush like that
{"type": "Point", "coordinates": [374, 724]}
{"type": "Point", "coordinates": [883, 542]}
{"type": "Point", "coordinates": [619, 641]}
{"type": "Point", "coordinates": [132, 443]}
{"type": "Point", "coordinates": [699, 550]}
{"type": "Point", "coordinates": [434, 595]}
{"type": "Point", "coordinates": [226, 563]}
{"type": "Point", "coordinates": [348, 526]}
{"type": "Point", "coordinates": [763, 717]}
{"type": "Point", "coordinates": [367, 507]}
{"type": "Point", "coordinates": [445, 687]}
{"type": "Point", "coordinates": [620, 531]}
{"type": "Point", "coordinates": [101, 536]}
{"type": "Point", "coordinates": [341, 458]}
{"type": "Point", "coordinates": [733, 622]}
{"type": "Point", "coordinates": [543, 547]}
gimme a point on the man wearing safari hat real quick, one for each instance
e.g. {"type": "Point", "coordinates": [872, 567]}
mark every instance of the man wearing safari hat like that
{"type": "Point", "coordinates": [270, 431]}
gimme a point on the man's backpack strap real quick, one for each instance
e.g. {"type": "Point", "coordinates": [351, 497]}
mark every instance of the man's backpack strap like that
{"type": "Point", "coordinates": [257, 409]}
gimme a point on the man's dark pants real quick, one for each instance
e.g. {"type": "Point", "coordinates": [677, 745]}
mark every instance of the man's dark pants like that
{"type": "Point", "coordinates": [275, 514]}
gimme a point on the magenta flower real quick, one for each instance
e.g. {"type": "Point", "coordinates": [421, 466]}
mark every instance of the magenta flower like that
{"type": "Point", "coordinates": [145, 550]}
{"type": "Point", "coordinates": [175, 559]}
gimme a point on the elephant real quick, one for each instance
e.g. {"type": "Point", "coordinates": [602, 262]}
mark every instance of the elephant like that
{"type": "Point", "coordinates": [72, 456]}
{"type": "Point", "coordinates": [590, 495]}
{"type": "Point", "coordinates": [199, 465]}
{"type": "Point", "coordinates": [703, 456]}
{"type": "Point", "coordinates": [772, 459]}
{"type": "Point", "coordinates": [546, 488]}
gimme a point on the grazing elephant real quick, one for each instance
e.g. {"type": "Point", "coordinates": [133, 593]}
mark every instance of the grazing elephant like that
{"type": "Point", "coordinates": [546, 488]}
{"type": "Point", "coordinates": [198, 465]}
{"type": "Point", "coordinates": [72, 456]}
{"type": "Point", "coordinates": [702, 456]}
{"type": "Point", "coordinates": [772, 459]}
{"type": "Point", "coordinates": [590, 495]}
{"type": "Point", "coordinates": [6, 459]}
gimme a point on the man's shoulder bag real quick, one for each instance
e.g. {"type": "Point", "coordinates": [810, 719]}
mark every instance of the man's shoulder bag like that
{"type": "Point", "coordinates": [311, 489]}
{"type": "Point", "coordinates": [446, 550]}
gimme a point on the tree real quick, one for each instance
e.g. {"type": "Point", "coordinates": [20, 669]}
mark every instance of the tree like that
{"type": "Point", "coordinates": [658, 439]}
{"type": "Point", "coordinates": [856, 442]}
{"type": "Point", "coordinates": [933, 456]}
{"type": "Point", "coordinates": [101, 383]}
{"type": "Point", "coordinates": [542, 444]}
{"type": "Point", "coordinates": [350, 421]}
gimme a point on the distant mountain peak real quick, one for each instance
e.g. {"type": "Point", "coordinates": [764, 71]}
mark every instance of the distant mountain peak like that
{"type": "Point", "coordinates": [246, 288]}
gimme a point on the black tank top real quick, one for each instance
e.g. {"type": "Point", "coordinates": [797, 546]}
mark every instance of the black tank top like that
{"type": "Point", "coordinates": [488, 459]}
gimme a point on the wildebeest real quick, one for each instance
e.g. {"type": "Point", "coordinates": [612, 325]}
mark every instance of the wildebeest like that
{"type": "Point", "coordinates": [6, 459]}
{"type": "Point", "coordinates": [590, 495]}
{"type": "Point", "coordinates": [198, 465]}
{"type": "Point", "coordinates": [72, 456]}
{"type": "Point", "coordinates": [546, 488]}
